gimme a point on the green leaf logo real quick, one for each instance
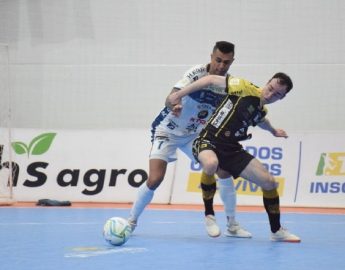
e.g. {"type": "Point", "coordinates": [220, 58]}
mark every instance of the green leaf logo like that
{"type": "Point", "coordinates": [38, 146]}
{"type": "Point", "coordinates": [20, 148]}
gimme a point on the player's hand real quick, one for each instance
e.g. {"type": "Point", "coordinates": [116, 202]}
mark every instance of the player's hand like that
{"type": "Point", "coordinates": [176, 110]}
{"type": "Point", "coordinates": [279, 133]}
{"type": "Point", "coordinates": [174, 99]}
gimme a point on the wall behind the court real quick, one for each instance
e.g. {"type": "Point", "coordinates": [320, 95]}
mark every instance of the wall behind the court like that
{"type": "Point", "coordinates": [89, 64]}
{"type": "Point", "coordinates": [96, 166]}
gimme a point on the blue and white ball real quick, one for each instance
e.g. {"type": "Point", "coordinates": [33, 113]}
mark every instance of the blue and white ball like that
{"type": "Point", "coordinates": [116, 231]}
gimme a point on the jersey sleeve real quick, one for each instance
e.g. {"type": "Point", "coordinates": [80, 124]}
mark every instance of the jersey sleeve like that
{"type": "Point", "coordinates": [265, 114]}
{"type": "Point", "coordinates": [191, 75]}
{"type": "Point", "coordinates": [241, 87]}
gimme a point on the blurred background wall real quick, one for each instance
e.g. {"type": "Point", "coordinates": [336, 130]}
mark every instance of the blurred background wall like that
{"type": "Point", "coordinates": [103, 64]}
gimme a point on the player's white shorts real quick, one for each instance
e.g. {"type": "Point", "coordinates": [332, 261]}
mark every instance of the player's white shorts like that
{"type": "Point", "coordinates": [164, 147]}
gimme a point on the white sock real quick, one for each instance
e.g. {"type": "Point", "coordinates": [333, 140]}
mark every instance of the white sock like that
{"type": "Point", "coordinates": [144, 197]}
{"type": "Point", "coordinates": [227, 193]}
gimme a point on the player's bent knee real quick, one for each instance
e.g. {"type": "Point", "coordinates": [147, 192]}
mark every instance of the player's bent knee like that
{"type": "Point", "coordinates": [153, 184]}
{"type": "Point", "coordinates": [210, 167]}
{"type": "Point", "coordinates": [269, 184]}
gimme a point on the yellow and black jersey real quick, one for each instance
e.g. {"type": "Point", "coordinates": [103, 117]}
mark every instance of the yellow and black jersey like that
{"type": "Point", "coordinates": [240, 109]}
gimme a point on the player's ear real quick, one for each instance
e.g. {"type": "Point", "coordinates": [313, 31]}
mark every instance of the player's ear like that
{"type": "Point", "coordinates": [283, 96]}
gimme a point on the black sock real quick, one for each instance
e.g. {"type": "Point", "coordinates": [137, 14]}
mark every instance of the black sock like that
{"type": "Point", "coordinates": [208, 192]}
{"type": "Point", "coordinates": [273, 212]}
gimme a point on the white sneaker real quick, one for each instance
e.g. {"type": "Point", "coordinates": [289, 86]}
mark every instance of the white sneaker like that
{"type": "Point", "coordinates": [234, 230]}
{"type": "Point", "coordinates": [132, 223]}
{"type": "Point", "coordinates": [212, 228]}
{"type": "Point", "coordinates": [284, 236]}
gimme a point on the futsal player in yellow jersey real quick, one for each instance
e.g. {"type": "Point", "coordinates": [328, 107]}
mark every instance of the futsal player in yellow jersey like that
{"type": "Point", "coordinates": [217, 147]}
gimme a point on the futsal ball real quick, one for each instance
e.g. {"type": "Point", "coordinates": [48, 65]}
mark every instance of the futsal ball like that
{"type": "Point", "coordinates": [116, 231]}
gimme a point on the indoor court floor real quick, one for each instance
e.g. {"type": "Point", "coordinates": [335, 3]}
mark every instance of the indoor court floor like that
{"type": "Point", "coordinates": [53, 238]}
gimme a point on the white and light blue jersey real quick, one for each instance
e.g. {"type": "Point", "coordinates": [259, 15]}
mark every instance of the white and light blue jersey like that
{"type": "Point", "coordinates": [196, 107]}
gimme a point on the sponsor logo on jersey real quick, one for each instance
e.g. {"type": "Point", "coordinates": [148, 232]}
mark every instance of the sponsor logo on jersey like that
{"type": "Point", "coordinates": [192, 75]}
{"type": "Point", "coordinates": [237, 93]}
{"type": "Point", "coordinates": [203, 114]}
{"type": "Point", "coordinates": [171, 125]}
{"type": "Point", "coordinates": [234, 81]}
{"type": "Point", "coordinates": [222, 113]}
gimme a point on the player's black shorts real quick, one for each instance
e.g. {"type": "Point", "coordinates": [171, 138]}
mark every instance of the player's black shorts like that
{"type": "Point", "coordinates": [231, 156]}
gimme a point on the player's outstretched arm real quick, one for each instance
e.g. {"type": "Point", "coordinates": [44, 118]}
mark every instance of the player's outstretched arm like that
{"type": "Point", "coordinates": [210, 80]}
{"type": "Point", "coordinates": [277, 132]}
{"type": "Point", "coordinates": [280, 133]}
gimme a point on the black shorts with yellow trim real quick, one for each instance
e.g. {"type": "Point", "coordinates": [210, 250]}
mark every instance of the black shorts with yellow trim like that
{"type": "Point", "coordinates": [231, 155]}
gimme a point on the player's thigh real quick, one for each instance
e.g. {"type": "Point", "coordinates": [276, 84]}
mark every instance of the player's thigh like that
{"type": "Point", "coordinates": [163, 148]}
{"type": "Point", "coordinates": [256, 172]}
{"type": "Point", "coordinates": [209, 161]}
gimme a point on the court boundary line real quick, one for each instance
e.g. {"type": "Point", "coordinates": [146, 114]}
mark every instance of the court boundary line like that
{"type": "Point", "coordinates": [187, 207]}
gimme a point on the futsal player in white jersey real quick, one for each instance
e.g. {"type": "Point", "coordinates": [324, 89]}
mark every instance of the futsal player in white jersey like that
{"type": "Point", "coordinates": [170, 132]}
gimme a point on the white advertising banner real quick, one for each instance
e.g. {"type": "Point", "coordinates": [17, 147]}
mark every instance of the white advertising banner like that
{"type": "Point", "coordinates": [110, 165]}
{"type": "Point", "coordinates": [322, 172]}
{"type": "Point", "coordinates": [82, 165]}
{"type": "Point", "coordinates": [310, 170]}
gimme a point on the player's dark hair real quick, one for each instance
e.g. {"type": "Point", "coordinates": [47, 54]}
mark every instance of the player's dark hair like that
{"type": "Point", "coordinates": [224, 47]}
{"type": "Point", "coordinates": [284, 79]}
